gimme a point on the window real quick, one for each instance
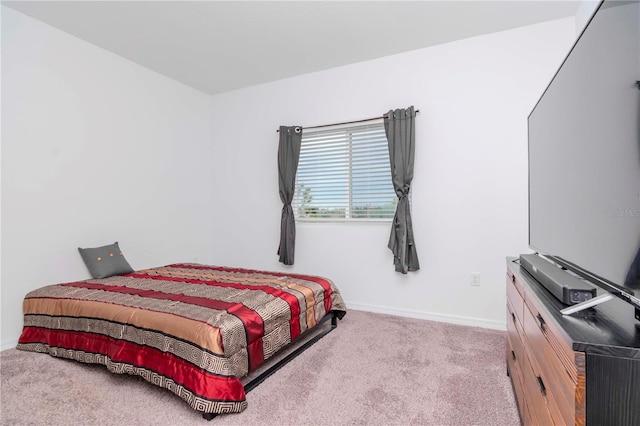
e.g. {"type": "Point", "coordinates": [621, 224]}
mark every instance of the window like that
{"type": "Point", "coordinates": [344, 174]}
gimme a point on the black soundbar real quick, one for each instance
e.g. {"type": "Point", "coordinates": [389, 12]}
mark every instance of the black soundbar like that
{"type": "Point", "coordinates": [564, 286]}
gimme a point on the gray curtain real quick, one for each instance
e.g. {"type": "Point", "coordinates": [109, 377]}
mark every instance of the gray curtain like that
{"type": "Point", "coordinates": [400, 129]}
{"type": "Point", "coordinates": [288, 156]}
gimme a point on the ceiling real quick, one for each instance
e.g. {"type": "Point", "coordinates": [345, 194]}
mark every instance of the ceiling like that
{"type": "Point", "coordinates": [218, 46]}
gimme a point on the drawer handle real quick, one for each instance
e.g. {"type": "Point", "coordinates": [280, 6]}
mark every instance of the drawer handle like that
{"type": "Point", "coordinates": [513, 317]}
{"type": "Point", "coordinates": [513, 279]}
{"type": "Point", "coordinates": [513, 355]}
{"type": "Point", "coordinates": [541, 321]}
{"type": "Point", "coordinates": [543, 389]}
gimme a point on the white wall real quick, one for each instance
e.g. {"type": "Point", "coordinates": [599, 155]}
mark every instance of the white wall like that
{"type": "Point", "coordinates": [95, 149]}
{"type": "Point", "coordinates": [470, 185]}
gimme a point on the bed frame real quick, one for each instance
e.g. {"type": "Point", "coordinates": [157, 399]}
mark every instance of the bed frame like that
{"type": "Point", "coordinates": [253, 383]}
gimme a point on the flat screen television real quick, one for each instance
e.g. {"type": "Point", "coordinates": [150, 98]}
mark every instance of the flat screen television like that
{"type": "Point", "coordinates": [584, 156]}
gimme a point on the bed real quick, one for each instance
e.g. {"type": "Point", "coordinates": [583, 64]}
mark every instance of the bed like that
{"type": "Point", "coordinates": [196, 330]}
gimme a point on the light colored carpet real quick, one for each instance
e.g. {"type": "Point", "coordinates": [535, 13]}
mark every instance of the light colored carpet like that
{"type": "Point", "coordinates": [373, 369]}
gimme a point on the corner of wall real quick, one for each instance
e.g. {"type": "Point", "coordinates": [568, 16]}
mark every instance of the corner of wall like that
{"type": "Point", "coordinates": [583, 14]}
{"type": "Point", "coordinates": [8, 344]}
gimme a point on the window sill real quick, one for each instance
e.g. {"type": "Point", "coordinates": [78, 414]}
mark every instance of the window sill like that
{"type": "Point", "coordinates": [344, 221]}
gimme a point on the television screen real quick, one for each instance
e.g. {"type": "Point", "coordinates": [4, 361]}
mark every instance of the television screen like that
{"type": "Point", "coordinates": [584, 151]}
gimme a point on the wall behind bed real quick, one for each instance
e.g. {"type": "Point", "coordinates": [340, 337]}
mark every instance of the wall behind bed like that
{"type": "Point", "coordinates": [470, 185]}
{"type": "Point", "coordinates": [94, 149]}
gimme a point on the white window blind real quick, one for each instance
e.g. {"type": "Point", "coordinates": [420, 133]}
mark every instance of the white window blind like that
{"type": "Point", "coordinates": [344, 174]}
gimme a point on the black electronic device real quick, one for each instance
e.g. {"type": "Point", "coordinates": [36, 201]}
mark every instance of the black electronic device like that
{"type": "Point", "coordinates": [564, 286]}
{"type": "Point", "coordinates": [584, 158]}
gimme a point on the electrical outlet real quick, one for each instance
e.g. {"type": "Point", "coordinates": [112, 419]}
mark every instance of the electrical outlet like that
{"type": "Point", "coordinates": [475, 279]}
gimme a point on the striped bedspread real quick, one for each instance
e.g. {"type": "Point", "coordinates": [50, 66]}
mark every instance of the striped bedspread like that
{"type": "Point", "coordinates": [193, 329]}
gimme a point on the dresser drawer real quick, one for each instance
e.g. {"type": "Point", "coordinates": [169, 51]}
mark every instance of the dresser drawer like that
{"type": "Point", "coordinates": [537, 412]}
{"type": "Point", "coordinates": [515, 334]}
{"type": "Point", "coordinates": [527, 420]}
{"type": "Point", "coordinates": [515, 298]}
{"type": "Point", "coordinates": [549, 372]}
{"type": "Point", "coordinates": [515, 281]}
{"type": "Point", "coordinates": [514, 359]}
{"type": "Point", "coordinates": [548, 328]}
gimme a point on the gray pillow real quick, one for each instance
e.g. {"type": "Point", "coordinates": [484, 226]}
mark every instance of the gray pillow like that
{"type": "Point", "coordinates": [105, 261]}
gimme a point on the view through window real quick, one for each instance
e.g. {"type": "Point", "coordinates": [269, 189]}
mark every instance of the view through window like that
{"type": "Point", "coordinates": [344, 174]}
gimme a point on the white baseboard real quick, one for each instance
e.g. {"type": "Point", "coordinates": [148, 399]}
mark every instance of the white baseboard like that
{"type": "Point", "coordinates": [452, 319]}
{"type": "Point", "coordinates": [8, 344]}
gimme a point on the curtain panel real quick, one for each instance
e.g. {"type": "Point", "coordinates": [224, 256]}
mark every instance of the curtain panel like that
{"type": "Point", "coordinates": [288, 156]}
{"type": "Point", "coordinates": [399, 127]}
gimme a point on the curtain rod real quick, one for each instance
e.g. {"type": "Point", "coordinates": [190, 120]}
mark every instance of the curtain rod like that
{"type": "Point", "coordinates": [347, 122]}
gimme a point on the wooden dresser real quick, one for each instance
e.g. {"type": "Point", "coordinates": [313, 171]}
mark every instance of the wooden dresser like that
{"type": "Point", "coordinates": [570, 370]}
